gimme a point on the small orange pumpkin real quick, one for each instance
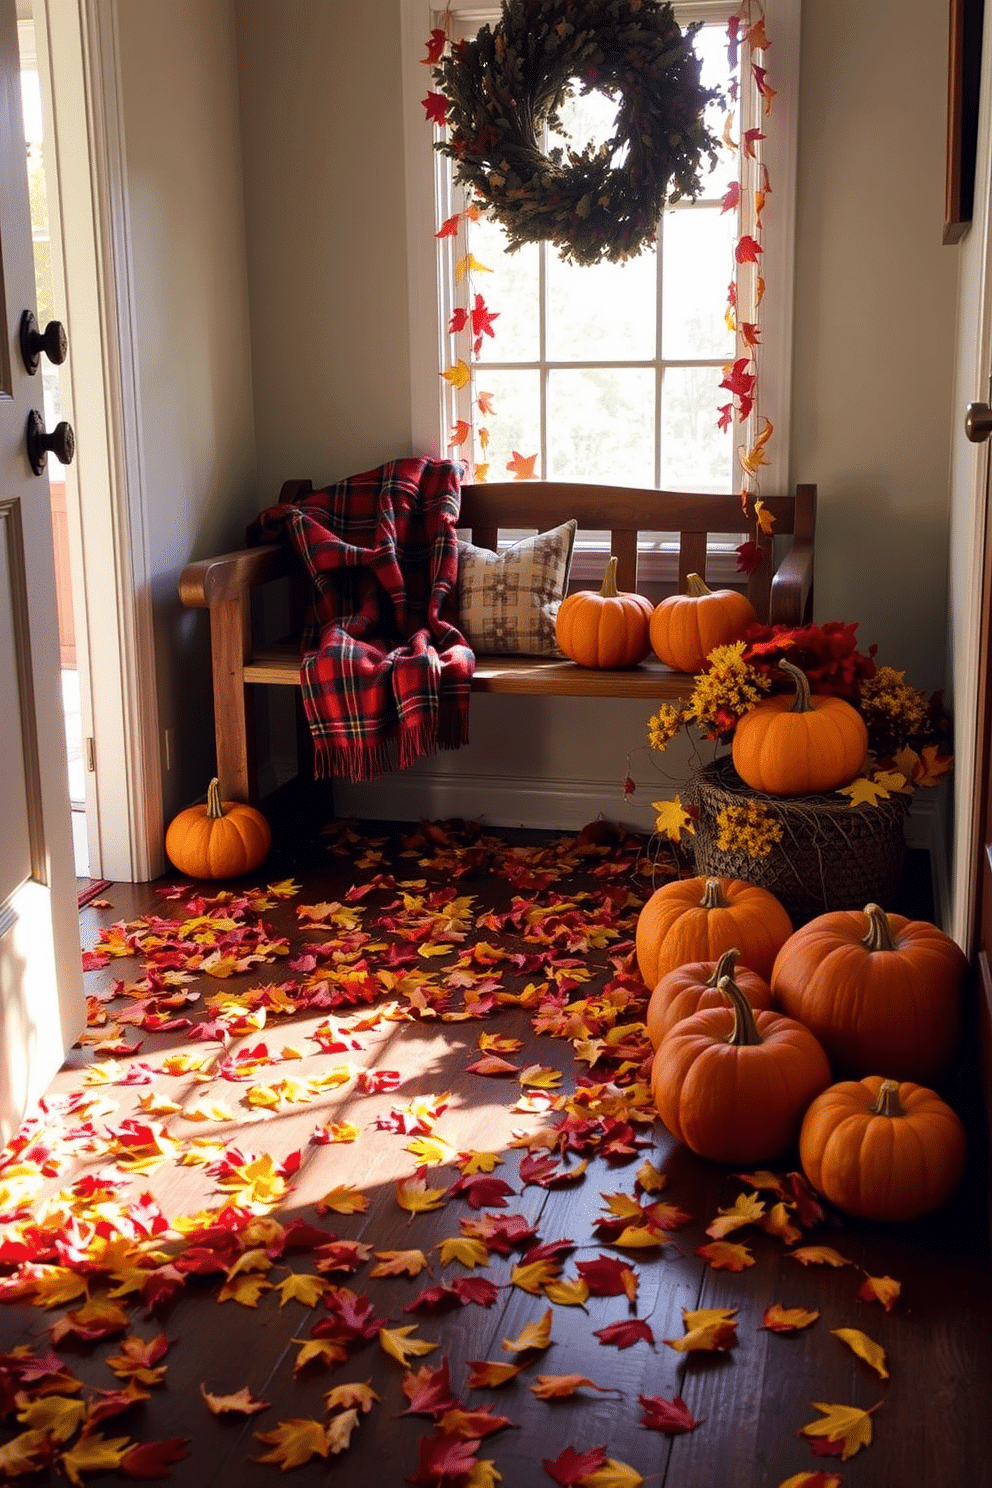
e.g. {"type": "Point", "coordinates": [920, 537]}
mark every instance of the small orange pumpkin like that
{"type": "Point", "coordinates": [799, 746]}
{"type": "Point", "coordinates": [733, 1084]}
{"type": "Point", "coordinates": [687, 989]}
{"type": "Point", "coordinates": [686, 627]}
{"type": "Point", "coordinates": [608, 629]}
{"type": "Point", "coordinates": [879, 991]}
{"type": "Point", "coordinates": [697, 919]}
{"type": "Point", "coordinates": [882, 1150]}
{"type": "Point", "coordinates": [218, 839]}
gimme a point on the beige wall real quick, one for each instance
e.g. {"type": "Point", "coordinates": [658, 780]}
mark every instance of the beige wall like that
{"type": "Point", "coordinates": [324, 192]}
{"type": "Point", "coordinates": [875, 322]}
{"type": "Point", "coordinates": [184, 186]}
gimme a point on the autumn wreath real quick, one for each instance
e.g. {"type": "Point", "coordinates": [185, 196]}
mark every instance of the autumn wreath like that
{"type": "Point", "coordinates": [503, 86]}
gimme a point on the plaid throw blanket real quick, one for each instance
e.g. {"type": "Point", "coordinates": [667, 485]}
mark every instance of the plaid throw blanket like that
{"type": "Point", "coordinates": [382, 659]}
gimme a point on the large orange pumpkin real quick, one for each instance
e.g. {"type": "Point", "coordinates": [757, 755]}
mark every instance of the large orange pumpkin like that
{"type": "Point", "coordinates": [882, 1150]}
{"type": "Point", "coordinates": [686, 627]}
{"type": "Point", "coordinates": [218, 839]}
{"type": "Point", "coordinates": [607, 629]}
{"type": "Point", "coordinates": [799, 746]}
{"type": "Point", "coordinates": [697, 919]}
{"type": "Point", "coordinates": [733, 1084]}
{"type": "Point", "coordinates": [688, 989]}
{"type": "Point", "coordinates": [879, 991]}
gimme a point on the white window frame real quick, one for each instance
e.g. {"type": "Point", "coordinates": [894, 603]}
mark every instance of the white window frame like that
{"type": "Point", "coordinates": [427, 205]}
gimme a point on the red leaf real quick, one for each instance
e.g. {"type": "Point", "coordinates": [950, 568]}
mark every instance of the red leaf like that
{"type": "Point", "coordinates": [443, 1457]}
{"type": "Point", "coordinates": [750, 557]}
{"type": "Point", "coordinates": [478, 1289]}
{"type": "Point", "coordinates": [673, 1416]}
{"type": "Point", "coordinates": [605, 1277]}
{"type": "Point", "coordinates": [435, 45]}
{"type": "Point", "coordinates": [152, 1459]}
{"type": "Point", "coordinates": [429, 1391]}
{"type": "Point", "coordinates": [747, 249]}
{"type": "Point", "coordinates": [623, 1334]}
{"type": "Point", "coordinates": [435, 108]}
{"type": "Point", "coordinates": [570, 1466]}
{"type": "Point", "coordinates": [482, 1192]}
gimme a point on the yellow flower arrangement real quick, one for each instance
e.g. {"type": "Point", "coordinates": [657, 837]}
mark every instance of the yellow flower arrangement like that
{"type": "Point", "coordinates": [748, 826]}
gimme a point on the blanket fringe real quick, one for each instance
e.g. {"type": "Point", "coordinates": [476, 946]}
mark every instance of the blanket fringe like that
{"type": "Point", "coordinates": [359, 761]}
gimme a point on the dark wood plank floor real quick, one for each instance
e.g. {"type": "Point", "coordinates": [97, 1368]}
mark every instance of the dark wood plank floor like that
{"type": "Point", "coordinates": [932, 1423]}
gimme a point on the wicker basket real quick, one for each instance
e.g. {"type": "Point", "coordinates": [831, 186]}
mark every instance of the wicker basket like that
{"type": "Point", "coordinates": [831, 856]}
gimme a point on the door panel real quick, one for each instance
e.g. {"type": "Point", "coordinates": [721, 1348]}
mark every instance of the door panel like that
{"type": "Point", "coordinates": [41, 1002]}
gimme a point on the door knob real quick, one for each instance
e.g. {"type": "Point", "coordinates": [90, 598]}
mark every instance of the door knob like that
{"type": "Point", "coordinates": [52, 341]}
{"type": "Point", "coordinates": [61, 442]}
{"type": "Point", "coordinates": [978, 422]}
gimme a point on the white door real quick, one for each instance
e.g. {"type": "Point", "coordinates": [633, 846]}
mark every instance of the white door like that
{"type": "Point", "coordinates": [41, 999]}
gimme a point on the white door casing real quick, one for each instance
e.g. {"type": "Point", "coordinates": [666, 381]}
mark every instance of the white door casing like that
{"type": "Point", "coordinates": [42, 1008]}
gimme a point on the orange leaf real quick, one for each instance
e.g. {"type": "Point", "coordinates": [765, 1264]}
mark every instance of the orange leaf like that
{"type": "Point", "coordinates": [488, 1374]}
{"type": "Point", "coordinates": [723, 1256]}
{"type": "Point", "coordinates": [866, 1348]}
{"type": "Point", "coordinates": [779, 1319]}
{"type": "Point", "coordinates": [560, 1386]}
{"type": "Point", "coordinates": [293, 1443]}
{"type": "Point", "coordinates": [880, 1289]}
{"type": "Point", "coordinates": [522, 466]}
{"type": "Point", "coordinates": [819, 1255]}
{"type": "Point", "coordinates": [241, 1403]}
{"type": "Point", "coordinates": [748, 1209]}
{"type": "Point", "coordinates": [532, 1336]}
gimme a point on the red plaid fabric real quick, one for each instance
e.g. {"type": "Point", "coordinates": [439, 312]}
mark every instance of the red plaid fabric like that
{"type": "Point", "coordinates": [382, 659]}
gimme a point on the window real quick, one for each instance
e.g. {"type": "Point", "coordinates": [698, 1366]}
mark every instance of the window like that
{"type": "Point", "coordinates": [612, 372]}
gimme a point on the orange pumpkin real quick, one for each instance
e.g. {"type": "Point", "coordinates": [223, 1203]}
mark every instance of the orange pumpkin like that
{"type": "Point", "coordinates": [879, 991]}
{"type": "Point", "coordinates": [733, 1084]}
{"type": "Point", "coordinates": [697, 919]}
{"type": "Point", "coordinates": [882, 1150]}
{"type": "Point", "coordinates": [606, 629]}
{"type": "Point", "coordinates": [687, 989]}
{"type": "Point", "coordinates": [218, 839]}
{"type": "Point", "coordinates": [686, 627]}
{"type": "Point", "coordinates": [799, 746]}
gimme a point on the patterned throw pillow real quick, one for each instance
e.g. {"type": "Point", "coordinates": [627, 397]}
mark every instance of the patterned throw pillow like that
{"type": "Point", "coordinates": [508, 601]}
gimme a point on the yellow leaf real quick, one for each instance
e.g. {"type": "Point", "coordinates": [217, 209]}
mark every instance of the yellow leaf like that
{"type": "Point", "coordinates": [706, 1329]}
{"type": "Point", "coordinates": [240, 1403]}
{"type": "Point", "coordinates": [540, 1076]}
{"type": "Point", "coordinates": [399, 1263]}
{"type": "Point", "coordinates": [807, 1479]}
{"type": "Point", "coordinates": [722, 1255]}
{"type": "Point", "coordinates": [571, 1291]}
{"type": "Point", "coordinates": [244, 1289]}
{"type": "Point", "coordinates": [469, 263]}
{"type": "Point", "coordinates": [339, 1429]}
{"type": "Point", "coordinates": [842, 1423]}
{"type": "Point", "coordinates": [478, 1162]}
{"type": "Point", "coordinates": [343, 1397]}
{"type": "Point", "coordinates": [864, 792]}
{"type": "Point", "coordinates": [93, 1453]}
{"type": "Point", "coordinates": [56, 1285]}
{"type": "Point", "coordinates": [866, 1348]}
{"type": "Point", "coordinates": [459, 374]}
{"type": "Point", "coordinates": [764, 518]}
{"type": "Point", "coordinates": [622, 1205]}
{"type": "Point", "coordinates": [818, 1255]}
{"type": "Point", "coordinates": [398, 1343]}
{"type": "Point", "coordinates": [612, 1474]}
{"type": "Point", "coordinates": [293, 1443]}
{"type": "Point", "coordinates": [672, 819]}
{"type": "Point", "coordinates": [650, 1178]}
{"type": "Point", "coordinates": [748, 1209]}
{"type": "Point", "coordinates": [430, 1150]}
{"type": "Point", "coordinates": [531, 1278]}
{"type": "Point", "coordinates": [27, 1453]}
{"type": "Point", "coordinates": [301, 1288]}
{"type": "Point", "coordinates": [639, 1237]}
{"type": "Point", "coordinates": [55, 1414]}
{"type": "Point", "coordinates": [470, 1253]}
{"type": "Point", "coordinates": [880, 1289]}
{"type": "Point", "coordinates": [413, 1194]}
{"type": "Point", "coordinates": [779, 1319]}
{"type": "Point", "coordinates": [327, 1351]}
{"type": "Point", "coordinates": [483, 1475]}
{"type": "Point", "coordinates": [343, 1200]}
{"type": "Point", "coordinates": [533, 1336]}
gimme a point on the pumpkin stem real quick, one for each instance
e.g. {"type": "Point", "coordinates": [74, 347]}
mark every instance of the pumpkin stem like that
{"type": "Point", "coordinates": [695, 588]}
{"type": "Point", "coordinates": [745, 1029]}
{"type": "Point", "coordinates": [713, 897]}
{"type": "Point", "coordinates": [879, 937]}
{"type": "Point", "coordinates": [608, 589]}
{"type": "Point", "coordinates": [215, 807]}
{"type": "Point", "coordinates": [802, 703]}
{"type": "Point", "coordinates": [724, 968]}
{"type": "Point", "coordinates": [888, 1102]}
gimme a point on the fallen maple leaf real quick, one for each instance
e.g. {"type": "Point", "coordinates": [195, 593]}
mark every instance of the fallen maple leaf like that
{"type": "Point", "coordinates": [444, 1459]}
{"type": "Point", "coordinates": [413, 1194]}
{"type": "Point", "coordinates": [535, 1335]}
{"type": "Point", "coordinates": [723, 1256]}
{"type": "Point", "coordinates": [747, 1209]}
{"type": "Point", "coordinates": [399, 1263]}
{"type": "Point", "coordinates": [400, 1345]}
{"type": "Point", "coordinates": [293, 1443]}
{"type": "Point", "coordinates": [623, 1334]}
{"type": "Point", "coordinates": [241, 1403]}
{"type": "Point", "coordinates": [844, 1429]}
{"type": "Point", "coordinates": [569, 1291]}
{"type": "Point", "coordinates": [866, 1348]}
{"type": "Point", "coordinates": [489, 1374]}
{"type": "Point", "coordinates": [461, 1248]}
{"type": "Point", "coordinates": [779, 1319]}
{"type": "Point", "coordinates": [813, 1480]}
{"type": "Point", "coordinates": [880, 1289]}
{"type": "Point", "coordinates": [706, 1328]}
{"type": "Point", "coordinates": [561, 1386]}
{"type": "Point", "coordinates": [613, 1474]}
{"type": "Point", "coordinates": [673, 1416]}
{"type": "Point", "coordinates": [819, 1255]}
{"type": "Point", "coordinates": [338, 1431]}
{"type": "Point", "coordinates": [353, 1396]}
{"type": "Point", "coordinates": [343, 1200]}
{"type": "Point", "coordinates": [152, 1459]}
{"type": "Point", "coordinates": [570, 1466]}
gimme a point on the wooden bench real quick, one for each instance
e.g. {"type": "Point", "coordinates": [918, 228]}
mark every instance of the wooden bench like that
{"type": "Point", "coordinates": [780, 595]}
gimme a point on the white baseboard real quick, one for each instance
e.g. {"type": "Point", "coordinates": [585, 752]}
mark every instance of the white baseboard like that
{"type": "Point", "coordinates": [498, 801]}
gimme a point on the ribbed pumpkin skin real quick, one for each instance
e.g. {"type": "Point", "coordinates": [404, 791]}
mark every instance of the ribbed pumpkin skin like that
{"type": "Point", "coordinates": [611, 632]}
{"type": "Point", "coordinates": [799, 754]}
{"type": "Point", "coordinates": [675, 927]}
{"type": "Point", "coordinates": [896, 1010]}
{"type": "Point", "coordinates": [689, 989]}
{"type": "Point", "coordinates": [737, 1105]}
{"type": "Point", "coordinates": [877, 1166]}
{"type": "Point", "coordinates": [686, 627]}
{"type": "Point", "coordinates": [225, 846]}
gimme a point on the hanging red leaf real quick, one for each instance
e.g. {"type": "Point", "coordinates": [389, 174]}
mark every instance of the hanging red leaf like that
{"type": "Point", "coordinates": [436, 43]}
{"type": "Point", "coordinates": [435, 108]}
{"type": "Point", "coordinates": [747, 250]}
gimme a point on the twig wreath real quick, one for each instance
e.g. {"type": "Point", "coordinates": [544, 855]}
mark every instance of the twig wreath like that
{"type": "Point", "coordinates": [601, 202]}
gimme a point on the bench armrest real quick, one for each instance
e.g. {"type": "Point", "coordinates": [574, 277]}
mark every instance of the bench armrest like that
{"type": "Point", "coordinates": [210, 581]}
{"type": "Point", "coordinates": [792, 586]}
